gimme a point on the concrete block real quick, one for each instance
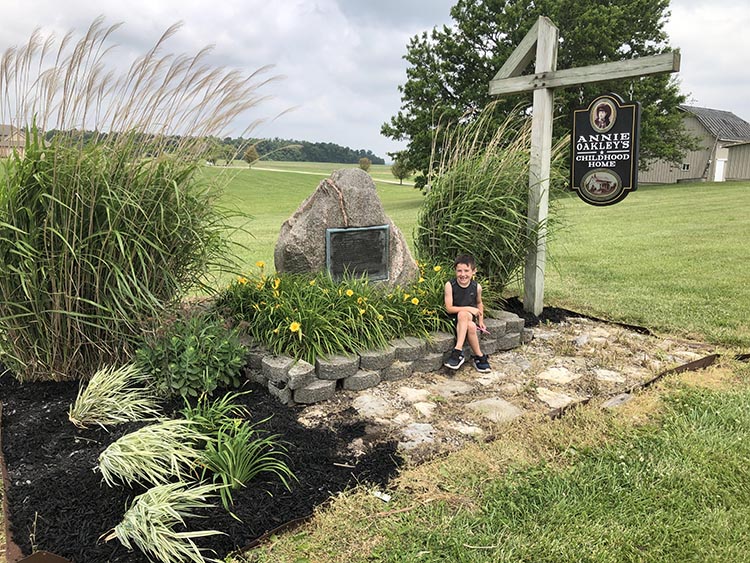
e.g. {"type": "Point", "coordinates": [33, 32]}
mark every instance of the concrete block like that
{"type": "Point", "coordinates": [256, 376]}
{"type": "Point", "coordinates": [513, 323]}
{"type": "Point", "coordinates": [363, 379]}
{"type": "Point", "coordinates": [300, 374]}
{"type": "Point", "coordinates": [336, 367]}
{"type": "Point", "coordinates": [430, 362]}
{"type": "Point", "coordinates": [496, 327]}
{"type": "Point", "coordinates": [318, 390]}
{"type": "Point", "coordinates": [489, 345]}
{"type": "Point", "coordinates": [397, 370]}
{"type": "Point", "coordinates": [409, 348]}
{"type": "Point", "coordinates": [377, 359]}
{"type": "Point", "coordinates": [440, 342]}
{"type": "Point", "coordinates": [509, 341]}
{"type": "Point", "coordinates": [276, 368]}
{"type": "Point", "coordinates": [279, 390]}
{"type": "Point", "coordinates": [255, 357]}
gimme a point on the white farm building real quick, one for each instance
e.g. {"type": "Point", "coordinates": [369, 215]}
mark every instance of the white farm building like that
{"type": "Point", "coordinates": [723, 150]}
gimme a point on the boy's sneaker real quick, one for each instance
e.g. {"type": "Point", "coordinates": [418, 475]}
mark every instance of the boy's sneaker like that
{"type": "Point", "coordinates": [481, 363]}
{"type": "Point", "coordinates": [456, 360]}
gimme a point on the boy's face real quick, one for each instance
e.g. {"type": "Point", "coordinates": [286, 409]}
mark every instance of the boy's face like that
{"type": "Point", "coordinates": [464, 273]}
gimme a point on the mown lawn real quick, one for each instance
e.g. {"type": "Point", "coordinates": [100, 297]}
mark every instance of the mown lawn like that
{"type": "Point", "coordinates": [663, 479]}
{"type": "Point", "coordinates": [671, 258]}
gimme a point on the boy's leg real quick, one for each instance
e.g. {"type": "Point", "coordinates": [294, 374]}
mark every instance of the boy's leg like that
{"type": "Point", "coordinates": [463, 322]}
{"type": "Point", "coordinates": [456, 359]}
{"type": "Point", "coordinates": [473, 337]}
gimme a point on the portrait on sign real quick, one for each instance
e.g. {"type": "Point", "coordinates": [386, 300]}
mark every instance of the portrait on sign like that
{"type": "Point", "coordinates": [603, 116]}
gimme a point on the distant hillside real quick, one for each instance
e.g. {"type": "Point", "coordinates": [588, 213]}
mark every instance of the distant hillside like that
{"type": "Point", "coordinates": [268, 149]}
{"type": "Point", "coordinates": [305, 151]}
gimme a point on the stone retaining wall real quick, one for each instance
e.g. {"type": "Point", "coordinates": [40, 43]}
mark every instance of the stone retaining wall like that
{"type": "Point", "coordinates": [299, 382]}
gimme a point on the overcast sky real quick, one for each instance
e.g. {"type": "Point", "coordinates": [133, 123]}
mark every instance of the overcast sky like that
{"type": "Point", "coordinates": [343, 59]}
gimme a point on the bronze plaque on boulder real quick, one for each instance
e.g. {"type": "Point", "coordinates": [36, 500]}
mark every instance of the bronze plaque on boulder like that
{"type": "Point", "coordinates": [358, 251]}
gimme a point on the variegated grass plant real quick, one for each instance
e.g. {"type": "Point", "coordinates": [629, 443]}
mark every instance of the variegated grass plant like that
{"type": "Point", "coordinates": [114, 395]}
{"type": "Point", "coordinates": [310, 317]}
{"type": "Point", "coordinates": [104, 222]}
{"type": "Point", "coordinates": [155, 454]}
{"type": "Point", "coordinates": [152, 521]}
{"type": "Point", "coordinates": [479, 196]}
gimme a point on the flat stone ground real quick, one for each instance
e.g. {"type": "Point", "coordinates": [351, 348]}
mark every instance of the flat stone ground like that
{"type": "Point", "coordinates": [565, 363]}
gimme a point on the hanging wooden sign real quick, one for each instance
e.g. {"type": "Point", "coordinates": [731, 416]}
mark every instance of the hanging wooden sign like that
{"type": "Point", "coordinates": [604, 163]}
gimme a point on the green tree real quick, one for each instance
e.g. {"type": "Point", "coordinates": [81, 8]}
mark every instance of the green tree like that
{"type": "Point", "coordinates": [365, 163]}
{"type": "Point", "coordinates": [450, 69]}
{"type": "Point", "coordinates": [251, 155]}
{"type": "Point", "coordinates": [400, 168]}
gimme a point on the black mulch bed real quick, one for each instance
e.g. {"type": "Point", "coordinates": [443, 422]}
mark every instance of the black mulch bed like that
{"type": "Point", "coordinates": [55, 493]}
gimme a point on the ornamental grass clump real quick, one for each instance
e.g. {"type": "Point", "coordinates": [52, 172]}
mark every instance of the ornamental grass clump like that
{"type": "Point", "coordinates": [154, 454]}
{"type": "Point", "coordinates": [105, 222]}
{"type": "Point", "coordinates": [153, 520]}
{"type": "Point", "coordinates": [478, 199]}
{"type": "Point", "coordinates": [238, 450]}
{"type": "Point", "coordinates": [114, 395]}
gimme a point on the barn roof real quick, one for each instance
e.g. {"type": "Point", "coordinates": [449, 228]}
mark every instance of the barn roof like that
{"type": "Point", "coordinates": [721, 124]}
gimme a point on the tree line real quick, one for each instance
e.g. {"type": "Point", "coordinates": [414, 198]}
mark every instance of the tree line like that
{"type": "Point", "coordinates": [235, 148]}
{"type": "Point", "coordinates": [295, 151]}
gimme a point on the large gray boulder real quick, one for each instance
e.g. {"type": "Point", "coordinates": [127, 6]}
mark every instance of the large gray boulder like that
{"type": "Point", "coordinates": [347, 199]}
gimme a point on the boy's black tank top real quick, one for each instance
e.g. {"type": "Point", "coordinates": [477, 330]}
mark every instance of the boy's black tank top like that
{"type": "Point", "coordinates": [464, 296]}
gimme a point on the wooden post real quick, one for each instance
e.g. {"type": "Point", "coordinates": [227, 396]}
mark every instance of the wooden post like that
{"type": "Point", "coordinates": [539, 170]}
{"type": "Point", "coordinates": [544, 36]}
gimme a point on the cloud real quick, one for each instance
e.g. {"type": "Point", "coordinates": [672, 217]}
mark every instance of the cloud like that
{"type": "Point", "coordinates": [712, 38]}
{"type": "Point", "coordinates": [343, 59]}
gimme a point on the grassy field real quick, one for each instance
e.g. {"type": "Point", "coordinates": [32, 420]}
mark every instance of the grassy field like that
{"type": "Point", "coordinates": [663, 479]}
{"type": "Point", "coordinates": [271, 196]}
{"type": "Point", "coordinates": [671, 258]}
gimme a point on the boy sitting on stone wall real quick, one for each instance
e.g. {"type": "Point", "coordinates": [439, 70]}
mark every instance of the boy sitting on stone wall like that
{"type": "Point", "coordinates": [463, 302]}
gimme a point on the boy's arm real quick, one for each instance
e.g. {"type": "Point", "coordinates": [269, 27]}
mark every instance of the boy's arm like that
{"type": "Point", "coordinates": [480, 307]}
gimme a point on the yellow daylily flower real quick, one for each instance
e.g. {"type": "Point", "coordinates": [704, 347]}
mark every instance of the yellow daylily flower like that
{"type": "Point", "coordinates": [349, 293]}
{"type": "Point", "coordinates": [295, 326]}
{"type": "Point", "coordinates": [260, 264]}
{"type": "Point", "coordinates": [437, 268]}
{"type": "Point", "coordinates": [415, 301]}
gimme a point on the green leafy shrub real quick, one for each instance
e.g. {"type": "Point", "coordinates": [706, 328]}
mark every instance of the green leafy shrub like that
{"type": "Point", "coordinates": [209, 414]}
{"type": "Point", "coordinates": [113, 396]}
{"type": "Point", "coordinates": [195, 354]}
{"type": "Point", "coordinates": [104, 221]}
{"type": "Point", "coordinates": [478, 200]}
{"type": "Point", "coordinates": [310, 317]}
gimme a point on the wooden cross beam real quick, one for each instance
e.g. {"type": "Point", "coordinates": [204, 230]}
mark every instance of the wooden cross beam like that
{"type": "Point", "coordinates": [541, 42]}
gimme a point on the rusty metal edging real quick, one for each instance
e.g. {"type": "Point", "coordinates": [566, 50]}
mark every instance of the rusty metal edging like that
{"type": "Point", "coordinates": [12, 551]}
